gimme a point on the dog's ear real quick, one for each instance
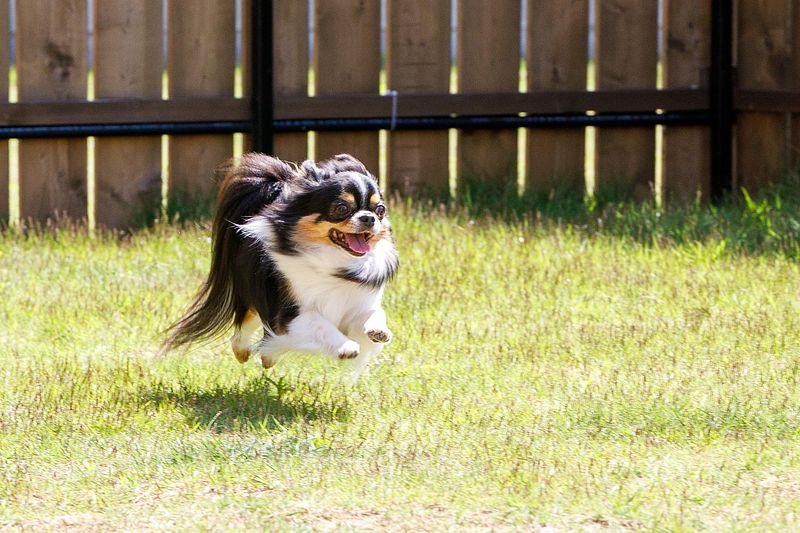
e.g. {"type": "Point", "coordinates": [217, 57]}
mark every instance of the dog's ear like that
{"type": "Point", "coordinates": [312, 171]}
{"type": "Point", "coordinates": [346, 163]}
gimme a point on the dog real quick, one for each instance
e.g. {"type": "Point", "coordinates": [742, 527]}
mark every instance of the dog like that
{"type": "Point", "coordinates": [304, 253]}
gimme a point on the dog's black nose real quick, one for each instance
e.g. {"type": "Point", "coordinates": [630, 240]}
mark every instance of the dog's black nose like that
{"type": "Point", "coordinates": [367, 219]}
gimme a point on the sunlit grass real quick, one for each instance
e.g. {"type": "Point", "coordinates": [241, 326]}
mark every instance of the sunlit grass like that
{"type": "Point", "coordinates": [599, 366]}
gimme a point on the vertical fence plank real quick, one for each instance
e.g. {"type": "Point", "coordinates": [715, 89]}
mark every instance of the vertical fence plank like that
{"type": "Point", "coordinates": [245, 63]}
{"type": "Point", "coordinates": [794, 140]}
{"type": "Point", "coordinates": [4, 45]}
{"type": "Point", "coordinates": [418, 61]}
{"type": "Point", "coordinates": [687, 50]}
{"type": "Point", "coordinates": [290, 64]}
{"type": "Point", "coordinates": [556, 57]}
{"type": "Point", "coordinates": [488, 60]}
{"type": "Point", "coordinates": [201, 62]}
{"type": "Point", "coordinates": [347, 60]}
{"type": "Point", "coordinates": [52, 64]}
{"type": "Point", "coordinates": [627, 35]}
{"type": "Point", "coordinates": [763, 61]}
{"type": "Point", "coordinates": [127, 63]}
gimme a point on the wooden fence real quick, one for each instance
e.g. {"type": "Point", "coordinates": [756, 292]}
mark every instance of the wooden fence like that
{"type": "Point", "coordinates": [647, 63]}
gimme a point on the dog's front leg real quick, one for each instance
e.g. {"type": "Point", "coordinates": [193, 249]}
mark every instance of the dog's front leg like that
{"type": "Point", "coordinates": [309, 332]}
{"type": "Point", "coordinates": [369, 329]}
{"type": "Point", "coordinates": [375, 328]}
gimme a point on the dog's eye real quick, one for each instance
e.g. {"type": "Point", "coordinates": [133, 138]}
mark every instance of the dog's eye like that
{"type": "Point", "coordinates": [341, 209]}
{"type": "Point", "coordinates": [380, 211]}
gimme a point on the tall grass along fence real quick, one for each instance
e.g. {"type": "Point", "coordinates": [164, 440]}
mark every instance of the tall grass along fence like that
{"type": "Point", "coordinates": [115, 107]}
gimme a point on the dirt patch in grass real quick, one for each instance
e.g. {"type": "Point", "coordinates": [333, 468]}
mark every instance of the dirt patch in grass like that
{"type": "Point", "coordinates": [427, 518]}
{"type": "Point", "coordinates": [68, 522]}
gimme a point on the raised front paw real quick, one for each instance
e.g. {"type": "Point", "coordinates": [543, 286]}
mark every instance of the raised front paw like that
{"type": "Point", "coordinates": [379, 335]}
{"type": "Point", "coordinates": [348, 350]}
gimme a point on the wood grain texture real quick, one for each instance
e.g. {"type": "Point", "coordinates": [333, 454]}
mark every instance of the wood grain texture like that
{"type": "Point", "coordinates": [4, 44]}
{"type": "Point", "coordinates": [201, 62]}
{"type": "Point", "coordinates": [488, 60]}
{"type": "Point", "coordinates": [418, 61]}
{"type": "Point", "coordinates": [626, 50]}
{"type": "Point", "coordinates": [246, 63]}
{"type": "Point", "coordinates": [290, 63]}
{"type": "Point", "coordinates": [245, 52]}
{"type": "Point", "coordinates": [347, 60]}
{"type": "Point", "coordinates": [125, 111]}
{"type": "Point", "coordinates": [128, 63]}
{"type": "Point", "coordinates": [794, 83]}
{"type": "Point", "coordinates": [556, 56]}
{"type": "Point", "coordinates": [687, 49]}
{"type": "Point", "coordinates": [226, 108]}
{"type": "Point", "coordinates": [52, 64]}
{"type": "Point", "coordinates": [503, 103]}
{"type": "Point", "coordinates": [764, 54]}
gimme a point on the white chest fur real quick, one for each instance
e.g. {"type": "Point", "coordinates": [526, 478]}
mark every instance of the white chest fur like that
{"type": "Point", "coordinates": [312, 276]}
{"type": "Point", "coordinates": [316, 288]}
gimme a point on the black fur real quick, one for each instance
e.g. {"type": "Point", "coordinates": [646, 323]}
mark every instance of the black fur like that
{"type": "Point", "coordinates": [257, 181]}
{"type": "Point", "coordinates": [371, 281]}
{"type": "Point", "coordinates": [242, 274]}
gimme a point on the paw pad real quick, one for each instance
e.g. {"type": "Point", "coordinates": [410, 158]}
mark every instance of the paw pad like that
{"type": "Point", "coordinates": [349, 350]}
{"type": "Point", "coordinates": [379, 335]}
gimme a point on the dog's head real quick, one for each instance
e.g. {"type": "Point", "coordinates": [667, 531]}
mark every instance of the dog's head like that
{"type": "Point", "coordinates": [338, 204]}
{"type": "Point", "coordinates": [330, 215]}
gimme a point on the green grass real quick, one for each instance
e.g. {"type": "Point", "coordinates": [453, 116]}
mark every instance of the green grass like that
{"type": "Point", "coordinates": [599, 367]}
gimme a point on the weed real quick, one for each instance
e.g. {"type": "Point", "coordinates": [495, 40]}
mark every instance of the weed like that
{"type": "Point", "coordinates": [568, 362]}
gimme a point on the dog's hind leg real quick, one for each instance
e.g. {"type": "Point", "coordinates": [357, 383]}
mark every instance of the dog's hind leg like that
{"type": "Point", "coordinates": [369, 349]}
{"type": "Point", "coordinates": [309, 332]}
{"type": "Point", "coordinates": [240, 342]}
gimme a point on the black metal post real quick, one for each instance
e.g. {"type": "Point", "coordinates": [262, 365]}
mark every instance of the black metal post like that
{"type": "Point", "coordinates": [721, 98]}
{"type": "Point", "coordinates": [261, 52]}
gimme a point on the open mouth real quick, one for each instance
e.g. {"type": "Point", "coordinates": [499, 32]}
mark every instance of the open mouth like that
{"type": "Point", "coordinates": [354, 243]}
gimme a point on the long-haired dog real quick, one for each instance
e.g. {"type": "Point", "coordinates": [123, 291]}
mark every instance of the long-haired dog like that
{"type": "Point", "coordinates": [303, 253]}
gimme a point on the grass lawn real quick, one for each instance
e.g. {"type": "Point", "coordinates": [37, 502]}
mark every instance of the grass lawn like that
{"type": "Point", "coordinates": [575, 368]}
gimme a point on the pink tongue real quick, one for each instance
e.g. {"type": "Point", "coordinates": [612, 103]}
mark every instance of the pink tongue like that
{"type": "Point", "coordinates": [357, 242]}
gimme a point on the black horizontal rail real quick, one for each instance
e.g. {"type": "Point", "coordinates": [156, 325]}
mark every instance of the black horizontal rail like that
{"type": "Point", "coordinates": [351, 124]}
{"type": "Point", "coordinates": [494, 121]}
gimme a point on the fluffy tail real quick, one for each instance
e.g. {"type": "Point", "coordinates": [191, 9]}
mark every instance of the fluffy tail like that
{"type": "Point", "coordinates": [247, 187]}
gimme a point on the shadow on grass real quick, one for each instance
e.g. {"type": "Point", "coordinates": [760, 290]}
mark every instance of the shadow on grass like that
{"type": "Point", "coordinates": [261, 403]}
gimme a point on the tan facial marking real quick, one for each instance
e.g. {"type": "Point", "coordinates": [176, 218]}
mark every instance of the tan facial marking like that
{"type": "Point", "coordinates": [374, 200]}
{"type": "Point", "coordinates": [349, 198]}
{"type": "Point", "coordinates": [309, 230]}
